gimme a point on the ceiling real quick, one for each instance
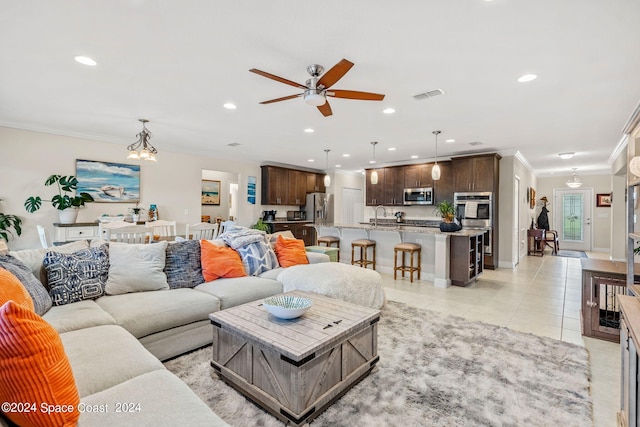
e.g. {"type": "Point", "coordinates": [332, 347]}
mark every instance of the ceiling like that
{"type": "Point", "coordinates": [176, 63]}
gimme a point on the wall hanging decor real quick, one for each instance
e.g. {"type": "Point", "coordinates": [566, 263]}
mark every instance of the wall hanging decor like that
{"type": "Point", "coordinates": [251, 190]}
{"type": "Point", "coordinates": [210, 192]}
{"type": "Point", "coordinates": [603, 200]}
{"type": "Point", "coordinates": [108, 182]}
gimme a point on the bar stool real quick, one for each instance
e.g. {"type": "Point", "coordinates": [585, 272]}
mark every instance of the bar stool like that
{"type": "Point", "coordinates": [411, 248]}
{"type": "Point", "coordinates": [329, 241]}
{"type": "Point", "coordinates": [364, 245]}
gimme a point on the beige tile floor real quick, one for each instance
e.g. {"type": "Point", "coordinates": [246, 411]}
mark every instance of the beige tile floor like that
{"type": "Point", "coordinates": [540, 296]}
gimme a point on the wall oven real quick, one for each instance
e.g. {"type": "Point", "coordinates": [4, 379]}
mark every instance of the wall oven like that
{"type": "Point", "coordinates": [475, 210]}
{"type": "Point", "coordinates": [418, 196]}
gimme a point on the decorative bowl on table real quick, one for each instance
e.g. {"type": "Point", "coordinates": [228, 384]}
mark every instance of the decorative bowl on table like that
{"type": "Point", "coordinates": [287, 306]}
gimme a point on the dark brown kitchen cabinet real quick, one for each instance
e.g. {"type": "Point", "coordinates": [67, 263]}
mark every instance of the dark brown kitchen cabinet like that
{"type": "Point", "coordinates": [418, 176]}
{"type": "Point", "coordinates": [315, 183]}
{"type": "Point", "coordinates": [393, 186]}
{"type": "Point", "coordinates": [443, 188]}
{"type": "Point", "coordinates": [477, 173]}
{"type": "Point", "coordinates": [298, 229]}
{"type": "Point", "coordinates": [297, 194]}
{"type": "Point", "coordinates": [275, 185]}
{"type": "Point", "coordinates": [375, 192]}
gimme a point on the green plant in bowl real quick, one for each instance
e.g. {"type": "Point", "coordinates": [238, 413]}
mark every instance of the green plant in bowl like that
{"type": "Point", "coordinates": [262, 226]}
{"type": "Point", "coordinates": [447, 210]}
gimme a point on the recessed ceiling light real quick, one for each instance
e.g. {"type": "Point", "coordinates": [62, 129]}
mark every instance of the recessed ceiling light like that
{"type": "Point", "coordinates": [346, 155]}
{"type": "Point", "coordinates": [85, 60]}
{"type": "Point", "coordinates": [450, 140]}
{"type": "Point", "coordinates": [372, 161]}
{"type": "Point", "coordinates": [310, 160]}
{"type": "Point", "coordinates": [566, 156]}
{"type": "Point", "coordinates": [391, 148]}
{"type": "Point", "coordinates": [309, 130]}
{"type": "Point", "coordinates": [389, 110]}
{"type": "Point", "coordinates": [230, 106]}
{"type": "Point", "coordinates": [415, 156]}
{"type": "Point", "coordinates": [527, 78]}
{"type": "Point", "coordinates": [338, 166]}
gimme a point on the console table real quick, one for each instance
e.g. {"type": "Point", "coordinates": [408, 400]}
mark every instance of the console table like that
{"type": "Point", "coordinates": [76, 231]}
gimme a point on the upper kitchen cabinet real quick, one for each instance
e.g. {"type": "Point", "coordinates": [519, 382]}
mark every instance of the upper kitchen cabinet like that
{"type": "Point", "coordinates": [297, 194]}
{"type": "Point", "coordinates": [375, 192]}
{"type": "Point", "coordinates": [418, 176]}
{"type": "Point", "coordinates": [443, 188]}
{"type": "Point", "coordinates": [393, 186]}
{"type": "Point", "coordinates": [275, 185]}
{"type": "Point", "coordinates": [315, 183]}
{"type": "Point", "coordinates": [476, 173]}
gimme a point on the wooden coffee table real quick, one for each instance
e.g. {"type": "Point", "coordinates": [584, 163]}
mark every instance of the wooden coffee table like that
{"type": "Point", "coordinates": [295, 368]}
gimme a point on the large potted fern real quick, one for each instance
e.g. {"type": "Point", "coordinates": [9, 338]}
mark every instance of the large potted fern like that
{"type": "Point", "coordinates": [66, 201]}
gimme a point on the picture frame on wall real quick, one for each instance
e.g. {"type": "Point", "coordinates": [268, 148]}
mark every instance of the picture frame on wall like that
{"type": "Point", "coordinates": [603, 200]}
{"type": "Point", "coordinates": [210, 192]}
{"type": "Point", "coordinates": [108, 182]}
{"type": "Point", "coordinates": [532, 198]}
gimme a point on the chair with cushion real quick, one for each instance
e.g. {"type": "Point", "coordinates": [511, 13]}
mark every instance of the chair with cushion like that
{"type": "Point", "coordinates": [202, 231]}
{"type": "Point", "coordinates": [411, 249]}
{"type": "Point", "coordinates": [130, 234]}
{"type": "Point", "coordinates": [162, 227]}
{"type": "Point", "coordinates": [329, 241]}
{"type": "Point", "coordinates": [364, 245]}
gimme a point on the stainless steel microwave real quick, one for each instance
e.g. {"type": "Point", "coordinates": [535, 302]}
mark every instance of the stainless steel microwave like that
{"type": "Point", "coordinates": [418, 196]}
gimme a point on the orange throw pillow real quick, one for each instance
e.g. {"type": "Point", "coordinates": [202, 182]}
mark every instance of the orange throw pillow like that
{"type": "Point", "coordinates": [218, 261]}
{"type": "Point", "coordinates": [291, 252]}
{"type": "Point", "coordinates": [12, 289]}
{"type": "Point", "coordinates": [34, 369]}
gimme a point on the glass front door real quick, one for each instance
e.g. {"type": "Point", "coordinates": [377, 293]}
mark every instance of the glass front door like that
{"type": "Point", "coordinates": [572, 219]}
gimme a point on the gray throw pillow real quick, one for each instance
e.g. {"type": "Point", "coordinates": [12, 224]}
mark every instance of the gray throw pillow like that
{"type": "Point", "coordinates": [136, 267]}
{"type": "Point", "coordinates": [41, 299]}
{"type": "Point", "coordinates": [183, 267]}
{"type": "Point", "coordinates": [77, 276]}
{"type": "Point", "coordinates": [258, 257]}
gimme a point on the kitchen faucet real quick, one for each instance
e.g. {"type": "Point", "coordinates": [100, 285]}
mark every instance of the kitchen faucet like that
{"type": "Point", "coordinates": [375, 214]}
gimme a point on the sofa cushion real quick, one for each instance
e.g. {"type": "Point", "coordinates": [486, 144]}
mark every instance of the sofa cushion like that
{"type": "Point", "coordinates": [254, 249]}
{"type": "Point", "coordinates": [34, 369]}
{"type": "Point", "coordinates": [145, 313]}
{"type": "Point", "coordinates": [77, 276]}
{"type": "Point", "coordinates": [11, 289]}
{"type": "Point", "coordinates": [39, 295]}
{"type": "Point", "coordinates": [182, 265]}
{"type": "Point", "coordinates": [32, 258]}
{"type": "Point", "coordinates": [232, 292]}
{"type": "Point", "coordinates": [164, 400]}
{"type": "Point", "coordinates": [136, 267]}
{"type": "Point", "coordinates": [79, 315]}
{"type": "Point", "coordinates": [220, 262]}
{"type": "Point", "coordinates": [290, 252]}
{"type": "Point", "coordinates": [104, 356]}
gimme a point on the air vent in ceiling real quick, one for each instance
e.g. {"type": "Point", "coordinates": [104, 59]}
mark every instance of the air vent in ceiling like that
{"type": "Point", "coordinates": [233, 144]}
{"type": "Point", "coordinates": [429, 94]}
{"type": "Point", "coordinates": [475, 143]}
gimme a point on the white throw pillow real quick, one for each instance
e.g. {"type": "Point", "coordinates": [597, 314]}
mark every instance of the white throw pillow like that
{"type": "Point", "coordinates": [136, 268]}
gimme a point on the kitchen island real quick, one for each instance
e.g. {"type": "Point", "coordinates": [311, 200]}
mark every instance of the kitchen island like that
{"type": "Point", "coordinates": [442, 252]}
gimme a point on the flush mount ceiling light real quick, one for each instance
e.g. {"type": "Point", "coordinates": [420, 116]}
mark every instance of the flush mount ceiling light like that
{"type": "Point", "coordinates": [527, 78]}
{"type": "Point", "coordinates": [309, 130]}
{"type": "Point", "coordinates": [146, 150]}
{"type": "Point", "coordinates": [230, 106]}
{"type": "Point", "coordinates": [574, 182]}
{"type": "Point", "coordinates": [566, 156]}
{"type": "Point", "coordinates": [327, 178]}
{"type": "Point", "coordinates": [389, 110]}
{"type": "Point", "coordinates": [85, 60]}
{"type": "Point", "coordinates": [450, 141]}
{"type": "Point", "coordinates": [435, 172]}
{"type": "Point", "coordinates": [374, 174]}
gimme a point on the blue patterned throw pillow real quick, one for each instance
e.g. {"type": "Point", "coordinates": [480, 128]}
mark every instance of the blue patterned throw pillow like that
{"type": "Point", "coordinates": [77, 276]}
{"type": "Point", "coordinates": [183, 267]}
{"type": "Point", "coordinates": [258, 257]}
{"type": "Point", "coordinates": [41, 299]}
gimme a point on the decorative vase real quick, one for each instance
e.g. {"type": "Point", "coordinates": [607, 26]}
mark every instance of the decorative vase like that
{"type": "Point", "coordinates": [68, 215]}
{"type": "Point", "coordinates": [135, 218]}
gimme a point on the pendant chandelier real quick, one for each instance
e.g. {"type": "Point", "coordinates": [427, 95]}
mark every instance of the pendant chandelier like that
{"type": "Point", "coordinates": [374, 174]}
{"type": "Point", "coordinates": [142, 148]}
{"type": "Point", "coordinates": [327, 178]}
{"type": "Point", "coordinates": [574, 182]}
{"type": "Point", "coordinates": [435, 172]}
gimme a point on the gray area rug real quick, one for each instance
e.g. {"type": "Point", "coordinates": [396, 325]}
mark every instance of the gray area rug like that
{"type": "Point", "coordinates": [572, 254]}
{"type": "Point", "coordinates": [436, 370]}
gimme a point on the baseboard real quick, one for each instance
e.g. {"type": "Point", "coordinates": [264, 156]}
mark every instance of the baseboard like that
{"type": "Point", "coordinates": [601, 250]}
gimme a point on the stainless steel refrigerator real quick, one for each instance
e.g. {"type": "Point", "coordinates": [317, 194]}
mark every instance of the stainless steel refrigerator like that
{"type": "Point", "coordinates": [319, 208]}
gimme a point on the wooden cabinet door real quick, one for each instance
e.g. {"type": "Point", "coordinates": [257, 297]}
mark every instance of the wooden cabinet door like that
{"type": "Point", "coordinates": [297, 181]}
{"type": "Point", "coordinates": [393, 186]}
{"type": "Point", "coordinates": [374, 192]}
{"type": "Point", "coordinates": [443, 188]}
{"type": "Point", "coordinates": [462, 174]}
{"type": "Point", "coordinates": [425, 175]}
{"type": "Point", "coordinates": [320, 183]}
{"type": "Point", "coordinates": [483, 174]}
{"type": "Point", "coordinates": [311, 182]}
{"type": "Point", "coordinates": [418, 176]}
{"type": "Point", "coordinates": [274, 185]}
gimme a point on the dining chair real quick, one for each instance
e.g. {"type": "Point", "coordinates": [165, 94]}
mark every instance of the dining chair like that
{"type": "Point", "coordinates": [130, 234]}
{"type": "Point", "coordinates": [226, 225]}
{"type": "Point", "coordinates": [202, 231]}
{"type": "Point", "coordinates": [162, 227]}
{"type": "Point", "coordinates": [105, 227]}
{"type": "Point", "coordinates": [42, 233]}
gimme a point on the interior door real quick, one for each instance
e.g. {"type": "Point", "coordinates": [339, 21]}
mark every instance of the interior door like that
{"type": "Point", "coordinates": [515, 249]}
{"type": "Point", "coordinates": [572, 212]}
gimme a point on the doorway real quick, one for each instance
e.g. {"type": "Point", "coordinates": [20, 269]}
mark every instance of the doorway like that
{"type": "Point", "coordinates": [572, 212]}
{"type": "Point", "coordinates": [515, 250]}
{"type": "Point", "coordinates": [352, 206]}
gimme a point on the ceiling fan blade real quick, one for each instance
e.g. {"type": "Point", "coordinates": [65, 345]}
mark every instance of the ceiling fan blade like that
{"type": "Point", "coordinates": [284, 98]}
{"type": "Point", "coordinates": [353, 94]}
{"type": "Point", "coordinates": [325, 109]}
{"type": "Point", "coordinates": [276, 78]}
{"type": "Point", "coordinates": [336, 72]}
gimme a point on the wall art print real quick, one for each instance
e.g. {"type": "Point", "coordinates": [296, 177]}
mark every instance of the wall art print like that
{"type": "Point", "coordinates": [603, 200]}
{"type": "Point", "coordinates": [210, 192]}
{"type": "Point", "coordinates": [109, 182]}
{"type": "Point", "coordinates": [251, 190]}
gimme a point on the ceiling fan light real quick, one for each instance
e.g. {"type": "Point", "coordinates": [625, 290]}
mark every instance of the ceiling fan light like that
{"type": "Point", "coordinates": [435, 172]}
{"type": "Point", "coordinates": [314, 97]}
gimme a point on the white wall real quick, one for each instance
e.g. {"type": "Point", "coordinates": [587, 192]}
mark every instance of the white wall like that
{"type": "Point", "coordinates": [173, 183]}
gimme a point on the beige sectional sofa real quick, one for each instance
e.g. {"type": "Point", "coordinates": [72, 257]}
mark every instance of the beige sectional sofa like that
{"type": "Point", "coordinates": [115, 345]}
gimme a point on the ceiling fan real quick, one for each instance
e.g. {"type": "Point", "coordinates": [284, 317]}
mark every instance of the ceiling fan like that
{"type": "Point", "coordinates": [316, 89]}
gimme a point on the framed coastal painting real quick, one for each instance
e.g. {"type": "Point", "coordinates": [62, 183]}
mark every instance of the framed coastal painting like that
{"type": "Point", "coordinates": [109, 182]}
{"type": "Point", "coordinates": [210, 192]}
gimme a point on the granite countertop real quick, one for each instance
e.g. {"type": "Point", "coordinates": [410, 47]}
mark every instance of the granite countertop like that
{"type": "Point", "coordinates": [407, 228]}
{"type": "Point", "coordinates": [286, 221]}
